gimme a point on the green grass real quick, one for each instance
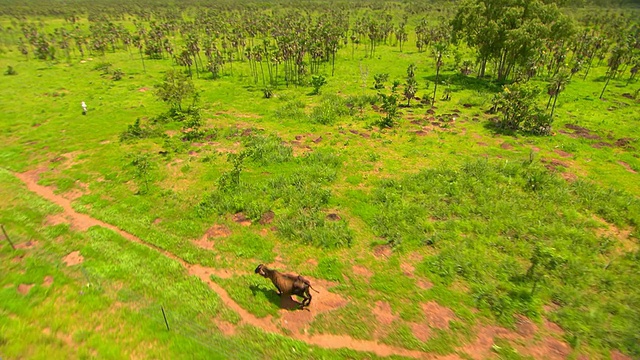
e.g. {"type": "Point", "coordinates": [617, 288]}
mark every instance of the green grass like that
{"type": "Point", "coordinates": [472, 204]}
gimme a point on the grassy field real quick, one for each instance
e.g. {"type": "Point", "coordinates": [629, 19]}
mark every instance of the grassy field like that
{"type": "Point", "coordinates": [421, 238]}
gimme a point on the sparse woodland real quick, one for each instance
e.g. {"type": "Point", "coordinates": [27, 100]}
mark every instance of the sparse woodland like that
{"type": "Point", "coordinates": [446, 172]}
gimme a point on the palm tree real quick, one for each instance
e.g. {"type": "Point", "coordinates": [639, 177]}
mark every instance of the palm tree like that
{"type": "Point", "coordinates": [555, 87]}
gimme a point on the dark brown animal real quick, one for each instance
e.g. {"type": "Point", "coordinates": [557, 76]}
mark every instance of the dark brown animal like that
{"type": "Point", "coordinates": [288, 284]}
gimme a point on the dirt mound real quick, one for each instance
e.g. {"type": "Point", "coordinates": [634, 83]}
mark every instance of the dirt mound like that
{"type": "Point", "coordinates": [48, 280]}
{"type": "Point", "coordinates": [333, 217]}
{"type": "Point", "coordinates": [382, 251]}
{"type": "Point", "coordinates": [23, 289]}
{"type": "Point", "coordinates": [241, 219]}
{"type": "Point", "coordinates": [506, 146]}
{"type": "Point", "coordinates": [553, 164]}
{"type": "Point", "coordinates": [216, 231]}
{"type": "Point", "coordinates": [563, 153]}
{"type": "Point", "coordinates": [437, 315]}
{"type": "Point", "coordinates": [623, 142]}
{"type": "Point", "coordinates": [600, 145]}
{"type": "Point", "coordinates": [267, 218]}
{"type": "Point", "coordinates": [579, 131]}
{"type": "Point", "coordinates": [570, 177]}
{"type": "Point", "coordinates": [73, 258]}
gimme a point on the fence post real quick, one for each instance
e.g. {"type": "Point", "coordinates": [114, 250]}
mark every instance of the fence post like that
{"type": "Point", "coordinates": [165, 317]}
{"type": "Point", "coordinates": [7, 236]}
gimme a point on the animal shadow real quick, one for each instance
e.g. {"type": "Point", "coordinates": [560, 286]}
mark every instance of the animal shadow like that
{"type": "Point", "coordinates": [286, 302]}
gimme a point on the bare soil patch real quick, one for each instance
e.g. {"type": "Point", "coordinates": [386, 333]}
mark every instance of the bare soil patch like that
{"type": "Point", "coordinates": [437, 315]}
{"type": "Point", "coordinates": [227, 328]}
{"type": "Point", "coordinates": [385, 317]}
{"type": "Point", "coordinates": [241, 219]}
{"type": "Point", "coordinates": [553, 164]}
{"type": "Point", "coordinates": [73, 258]}
{"type": "Point", "coordinates": [48, 281]}
{"type": "Point", "coordinates": [267, 218]}
{"type": "Point", "coordinates": [524, 326]}
{"type": "Point", "coordinates": [614, 232]}
{"type": "Point", "coordinates": [421, 331]}
{"type": "Point", "coordinates": [27, 245]}
{"type": "Point", "coordinates": [600, 145]}
{"type": "Point", "coordinates": [617, 355]}
{"type": "Point", "coordinates": [362, 271]}
{"type": "Point", "coordinates": [628, 167]}
{"type": "Point", "coordinates": [579, 131]}
{"type": "Point", "coordinates": [323, 301]}
{"type": "Point", "coordinates": [570, 177]}
{"type": "Point", "coordinates": [623, 142]}
{"type": "Point", "coordinates": [384, 314]}
{"type": "Point", "coordinates": [407, 269]}
{"type": "Point", "coordinates": [312, 262]}
{"type": "Point", "coordinates": [563, 153]}
{"type": "Point", "coordinates": [382, 251]}
{"type": "Point", "coordinates": [552, 327]}
{"type": "Point", "coordinates": [481, 347]}
{"type": "Point", "coordinates": [216, 231]}
{"type": "Point", "coordinates": [23, 289]}
{"type": "Point", "coordinates": [424, 284]}
{"type": "Point", "coordinates": [506, 146]}
{"type": "Point", "coordinates": [549, 348]}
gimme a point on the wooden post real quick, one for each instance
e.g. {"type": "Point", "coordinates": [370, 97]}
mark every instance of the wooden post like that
{"type": "Point", "coordinates": [7, 237]}
{"type": "Point", "coordinates": [165, 318]}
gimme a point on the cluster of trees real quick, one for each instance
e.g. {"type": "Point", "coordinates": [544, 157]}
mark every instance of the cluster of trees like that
{"type": "Point", "coordinates": [513, 40]}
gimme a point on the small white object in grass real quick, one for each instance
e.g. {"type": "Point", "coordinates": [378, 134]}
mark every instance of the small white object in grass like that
{"type": "Point", "coordinates": [84, 108]}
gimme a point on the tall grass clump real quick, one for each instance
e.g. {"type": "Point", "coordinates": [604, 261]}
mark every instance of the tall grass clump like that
{"type": "Point", "coordinates": [297, 197]}
{"type": "Point", "coordinates": [331, 108]}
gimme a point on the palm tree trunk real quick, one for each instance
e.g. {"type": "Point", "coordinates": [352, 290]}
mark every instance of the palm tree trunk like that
{"type": "Point", "coordinates": [605, 86]}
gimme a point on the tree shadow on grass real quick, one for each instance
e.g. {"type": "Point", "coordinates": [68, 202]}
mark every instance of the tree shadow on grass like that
{"type": "Point", "coordinates": [285, 302]}
{"type": "Point", "coordinates": [467, 83]}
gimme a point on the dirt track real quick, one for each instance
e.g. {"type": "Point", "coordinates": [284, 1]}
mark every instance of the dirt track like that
{"type": "Point", "coordinates": [83, 222]}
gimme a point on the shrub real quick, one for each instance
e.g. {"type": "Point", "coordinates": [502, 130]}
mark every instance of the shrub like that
{"type": "Point", "coordinates": [118, 74]}
{"type": "Point", "coordinates": [317, 81]}
{"type": "Point", "coordinates": [10, 71]}
{"type": "Point", "coordinates": [520, 112]}
{"type": "Point", "coordinates": [380, 79]}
